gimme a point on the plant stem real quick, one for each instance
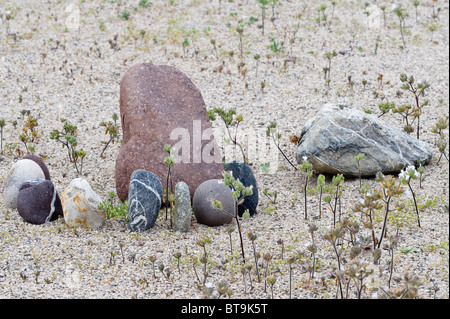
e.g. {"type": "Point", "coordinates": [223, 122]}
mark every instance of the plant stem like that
{"type": "Point", "coordinates": [415, 203]}
{"type": "Point", "coordinates": [385, 221]}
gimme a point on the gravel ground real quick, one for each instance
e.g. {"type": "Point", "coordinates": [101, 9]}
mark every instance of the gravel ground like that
{"type": "Point", "coordinates": [65, 60]}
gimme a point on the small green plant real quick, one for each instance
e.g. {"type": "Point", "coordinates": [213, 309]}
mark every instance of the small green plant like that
{"type": "Point", "coordinates": [417, 91]}
{"type": "Point", "coordinates": [312, 248]}
{"type": "Point", "coordinates": [272, 196]}
{"type": "Point", "coordinates": [145, 3]}
{"type": "Point", "coordinates": [405, 177]}
{"type": "Point", "coordinates": [184, 45]}
{"type": "Point", "coordinates": [334, 191]}
{"type": "Point", "coordinates": [252, 236]}
{"type": "Point", "coordinates": [230, 120]}
{"type": "Point", "coordinates": [111, 128]}
{"type": "Point", "coordinates": [30, 135]}
{"type": "Point", "coordinates": [391, 188]}
{"type": "Point", "coordinates": [333, 235]}
{"type": "Point", "coordinates": [169, 161]}
{"type": "Point", "coordinates": [327, 70]}
{"type": "Point", "coordinates": [416, 5]}
{"type": "Point", "coordinates": [321, 16]}
{"type": "Point", "coordinates": [267, 258]}
{"type": "Point", "coordinates": [239, 192]}
{"type": "Point", "coordinates": [390, 246]}
{"type": "Point", "coordinates": [68, 138]}
{"type": "Point", "coordinates": [262, 5]}
{"type": "Point", "coordinates": [2, 125]}
{"type": "Point", "coordinates": [385, 107]}
{"type": "Point", "coordinates": [307, 168]}
{"type": "Point", "coordinates": [272, 132]}
{"type": "Point", "coordinates": [401, 13]}
{"type": "Point", "coordinates": [320, 185]}
{"type": "Point", "coordinates": [111, 210]}
{"type": "Point", "coordinates": [124, 15]}
{"type": "Point", "coordinates": [276, 46]}
{"type": "Point", "coordinates": [438, 128]}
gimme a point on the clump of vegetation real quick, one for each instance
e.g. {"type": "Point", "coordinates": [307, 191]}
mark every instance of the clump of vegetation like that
{"type": "Point", "coordinates": [68, 138]}
{"type": "Point", "coordinates": [417, 91]}
{"type": "Point", "coordinates": [30, 135]}
{"type": "Point", "coordinates": [113, 210]}
{"type": "Point", "coordinates": [111, 128]}
{"type": "Point", "coordinates": [438, 128]}
{"type": "Point", "coordinates": [231, 120]}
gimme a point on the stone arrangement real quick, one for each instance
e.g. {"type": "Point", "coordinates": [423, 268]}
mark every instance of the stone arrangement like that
{"type": "Point", "coordinates": [204, 212]}
{"type": "Point", "coordinates": [244, 173]}
{"type": "Point", "coordinates": [144, 200]}
{"type": "Point", "coordinates": [160, 105]}
{"type": "Point", "coordinates": [338, 133]}
{"type": "Point", "coordinates": [182, 211]}
{"type": "Point", "coordinates": [38, 202]}
{"type": "Point", "coordinates": [80, 205]}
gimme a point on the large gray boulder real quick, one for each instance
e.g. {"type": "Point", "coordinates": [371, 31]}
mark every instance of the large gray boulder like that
{"type": "Point", "coordinates": [337, 133]}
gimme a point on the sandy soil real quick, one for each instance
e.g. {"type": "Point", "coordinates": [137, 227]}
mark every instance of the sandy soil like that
{"type": "Point", "coordinates": [65, 60]}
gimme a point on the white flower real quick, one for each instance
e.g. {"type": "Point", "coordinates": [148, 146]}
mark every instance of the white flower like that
{"type": "Point", "coordinates": [408, 192]}
{"type": "Point", "coordinates": [209, 285]}
{"type": "Point", "coordinates": [394, 6]}
{"type": "Point", "coordinates": [305, 158]}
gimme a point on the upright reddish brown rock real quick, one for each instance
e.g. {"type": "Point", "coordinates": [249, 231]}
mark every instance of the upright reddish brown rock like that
{"type": "Point", "coordinates": [160, 105]}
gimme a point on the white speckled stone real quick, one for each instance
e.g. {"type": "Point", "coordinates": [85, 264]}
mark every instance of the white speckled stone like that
{"type": "Point", "coordinates": [80, 205]}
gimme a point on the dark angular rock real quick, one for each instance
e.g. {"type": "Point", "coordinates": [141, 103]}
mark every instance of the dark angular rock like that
{"type": "Point", "coordinates": [41, 164]}
{"type": "Point", "coordinates": [158, 104]}
{"type": "Point", "coordinates": [203, 210]}
{"type": "Point", "coordinates": [244, 173]}
{"type": "Point", "coordinates": [38, 202]}
{"type": "Point", "coordinates": [144, 200]}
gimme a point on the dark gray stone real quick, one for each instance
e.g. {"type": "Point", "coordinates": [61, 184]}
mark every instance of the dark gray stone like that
{"type": "Point", "coordinates": [203, 210]}
{"type": "Point", "coordinates": [144, 200]}
{"type": "Point", "coordinates": [244, 173]}
{"type": "Point", "coordinates": [38, 202]}
{"type": "Point", "coordinates": [182, 211]}
{"type": "Point", "coordinates": [337, 133]}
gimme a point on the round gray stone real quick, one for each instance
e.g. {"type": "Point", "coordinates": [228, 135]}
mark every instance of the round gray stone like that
{"type": "Point", "coordinates": [203, 210]}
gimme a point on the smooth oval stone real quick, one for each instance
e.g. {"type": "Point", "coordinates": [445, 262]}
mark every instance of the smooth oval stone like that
{"type": "Point", "coordinates": [38, 202]}
{"type": "Point", "coordinates": [22, 171]}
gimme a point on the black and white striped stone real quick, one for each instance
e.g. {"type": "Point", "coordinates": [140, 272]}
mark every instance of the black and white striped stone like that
{"type": "Point", "coordinates": [144, 200]}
